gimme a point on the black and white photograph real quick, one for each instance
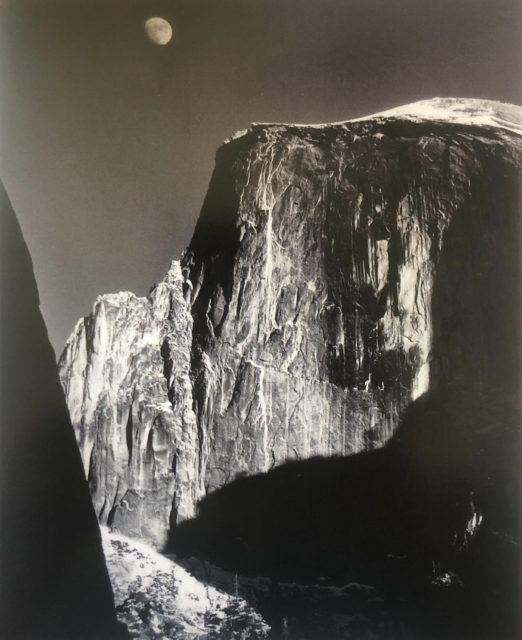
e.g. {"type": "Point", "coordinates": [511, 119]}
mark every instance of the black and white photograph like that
{"type": "Point", "coordinates": [260, 320]}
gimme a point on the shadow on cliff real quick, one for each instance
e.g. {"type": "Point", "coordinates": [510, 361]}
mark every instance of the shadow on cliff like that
{"type": "Point", "coordinates": [420, 520]}
{"type": "Point", "coordinates": [432, 519]}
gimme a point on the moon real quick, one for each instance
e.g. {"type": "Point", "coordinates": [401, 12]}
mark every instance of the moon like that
{"type": "Point", "coordinates": [158, 30]}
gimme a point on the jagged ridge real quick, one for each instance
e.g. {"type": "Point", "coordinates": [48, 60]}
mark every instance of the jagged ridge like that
{"type": "Point", "coordinates": [125, 372]}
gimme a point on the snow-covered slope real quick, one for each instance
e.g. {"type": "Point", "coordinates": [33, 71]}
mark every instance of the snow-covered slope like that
{"type": "Point", "coordinates": [462, 111]}
{"type": "Point", "coordinates": [157, 599]}
{"type": "Point", "coordinates": [470, 111]}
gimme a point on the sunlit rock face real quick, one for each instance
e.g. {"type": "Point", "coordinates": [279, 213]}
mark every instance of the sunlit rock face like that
{"type": "Point", "coordinates": [311, 276]}
{"type": "Point", "coordinates": [125, 371]}
{"type": "Point", "coordinates": [310, 316]}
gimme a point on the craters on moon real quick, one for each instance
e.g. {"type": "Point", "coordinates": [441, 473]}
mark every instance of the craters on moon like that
{"type": "Point", "coordinates": [158, 30]}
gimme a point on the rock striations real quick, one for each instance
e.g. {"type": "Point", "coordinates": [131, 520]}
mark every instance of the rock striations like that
{"type": "Point", "coordinates": [307, 320]}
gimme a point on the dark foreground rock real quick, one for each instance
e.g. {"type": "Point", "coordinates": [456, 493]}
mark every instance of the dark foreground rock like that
{"type": "Point", "coordinates": [54, 584]}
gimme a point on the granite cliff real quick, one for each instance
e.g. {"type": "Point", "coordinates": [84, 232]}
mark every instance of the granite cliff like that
{"type": "Point", "coordinates": [125, 372]}
{"type": "Point", "coordinates": [310, 317]}
{"type": "Point", "coordinates": [421, 537]}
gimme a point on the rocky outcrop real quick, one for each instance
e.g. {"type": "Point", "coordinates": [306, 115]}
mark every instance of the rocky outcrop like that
{"type": "Point", "coordinates": [54, 583]}
{"type": "Point", "coordinates": [311, 283]}
{"type": "Point", "coordinates": [125, 371]}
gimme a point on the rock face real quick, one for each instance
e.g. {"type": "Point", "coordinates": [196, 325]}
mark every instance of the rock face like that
{"type": "Point", "coordinates": [125, 371]}
{"type": "Point", "coordinates": [54, 583]}
{"type": "Point", "coordinates": [311, 282]}
{"type": "Point", "coordinates": [311, 279]}
{"type": "Point", "coordinates": [430, 521]}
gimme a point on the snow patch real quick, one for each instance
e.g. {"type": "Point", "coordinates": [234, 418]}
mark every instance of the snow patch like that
{"type": "Point", "coordinates": [155, 598]}
{"type": "Point", "coordinates": [467, 111]}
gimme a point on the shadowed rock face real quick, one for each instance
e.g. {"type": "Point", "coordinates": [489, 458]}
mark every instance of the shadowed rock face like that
{"type": "Point", "coordinates": [428, 525]}
{"type": "Point", "coordinates": [417, 540]}
{"type": "Point", "coordinates": [311, 280]}
{"type": "Point", "coordinates": [54, 583]}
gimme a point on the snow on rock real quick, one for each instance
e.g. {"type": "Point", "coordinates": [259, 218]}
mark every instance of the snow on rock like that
{"type": "Point", "coordinates": [467, 111]}
{"type": "Point", "coordinates": [157, 599]}
{"type": "Point", "coordinates": [462, 111]}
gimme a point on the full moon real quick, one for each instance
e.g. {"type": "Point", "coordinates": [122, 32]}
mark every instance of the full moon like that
{"type": "Point", "coordinates": [158, 30]}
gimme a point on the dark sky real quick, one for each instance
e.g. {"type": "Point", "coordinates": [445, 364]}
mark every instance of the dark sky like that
{"type": "Point", "coordinates": [108, 141]}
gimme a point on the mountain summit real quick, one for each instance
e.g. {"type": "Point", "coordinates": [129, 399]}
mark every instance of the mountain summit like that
{"type": "Point", "coordinates": [320, 295]}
